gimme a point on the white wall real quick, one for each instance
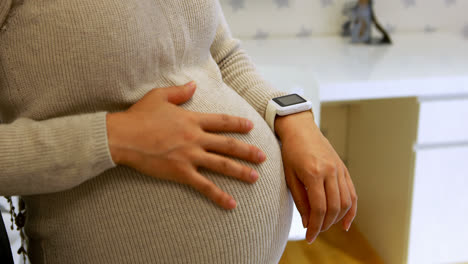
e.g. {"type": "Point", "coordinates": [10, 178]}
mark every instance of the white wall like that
{"type": "Point", "coordinates": [295, 18]}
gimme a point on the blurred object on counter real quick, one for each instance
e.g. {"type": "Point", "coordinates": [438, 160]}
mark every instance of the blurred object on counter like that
{"type": "Point", "coordinates": [359, 27]}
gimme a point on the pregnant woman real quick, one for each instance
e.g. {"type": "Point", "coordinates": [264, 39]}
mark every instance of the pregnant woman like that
{"type": "Point", "coordinates": [134, 131]}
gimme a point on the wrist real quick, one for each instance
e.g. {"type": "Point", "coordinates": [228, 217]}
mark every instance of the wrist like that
{"type": "Point", "coordinates": [291, 124]}
{"type": "Point", "coordinates": [114, 141]}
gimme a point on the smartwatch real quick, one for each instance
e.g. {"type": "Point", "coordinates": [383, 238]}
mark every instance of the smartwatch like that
{"type": "Point", "coordinates": [285, 105]}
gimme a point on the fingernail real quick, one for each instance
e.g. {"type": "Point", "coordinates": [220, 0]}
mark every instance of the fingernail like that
{"type": "Point", "coordinates": [253, 175]}
{"type": "Point", "coordinates": [232, 204]}
{"type": "Point", "coordinates": [304, 219]}
{"type": "Point", "coordinates": [349, 226]}
{"type": "Point", "coordinates": [248, 124]}
{"type": "Point", "coordinates": [190, 84]}
{"type": "Point", "coordinates": [310, 241]}
{"type": "Point", "coordinates": [261, 156]}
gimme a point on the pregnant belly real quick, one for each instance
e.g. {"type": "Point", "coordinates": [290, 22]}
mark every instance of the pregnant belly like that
{"type": "Point", "coordinates": [123, 216]}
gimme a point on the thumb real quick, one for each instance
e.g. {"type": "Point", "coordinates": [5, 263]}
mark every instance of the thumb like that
{"type": "Point", "coordinates": [180, 94]}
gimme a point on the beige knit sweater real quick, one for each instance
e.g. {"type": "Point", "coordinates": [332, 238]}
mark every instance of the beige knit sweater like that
{"type": "Point", "coordinates": [63, 65]}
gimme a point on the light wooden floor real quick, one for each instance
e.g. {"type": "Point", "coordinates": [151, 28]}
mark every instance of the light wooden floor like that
{"type": "Point", "coordinates": [332, 247]}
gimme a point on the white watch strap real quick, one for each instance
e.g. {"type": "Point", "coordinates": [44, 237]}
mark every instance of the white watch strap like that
{"type": "Point", "coordinates": [273, 109]}
{"type": "Point", "coordinates": [270, 115]}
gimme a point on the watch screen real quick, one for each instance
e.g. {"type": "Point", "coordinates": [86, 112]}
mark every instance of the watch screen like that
{"type": "Point", "coordinates": [288, 100]}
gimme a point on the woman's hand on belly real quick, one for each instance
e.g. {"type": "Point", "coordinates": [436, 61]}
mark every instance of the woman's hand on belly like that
{"type": "Point", "coordinates": [319, 181]}
{"type": "Point", "coordinates": [158, 138]}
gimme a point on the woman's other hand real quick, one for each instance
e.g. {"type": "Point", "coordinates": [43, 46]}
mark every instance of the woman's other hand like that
{"type": "Point", "coordinates": [319, 181]}
{"type": "Point", "coordinates": [161, 139]}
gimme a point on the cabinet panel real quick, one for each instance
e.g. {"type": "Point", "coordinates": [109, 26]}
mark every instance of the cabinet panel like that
{"type": "Point", "coordinates": [381, 162]}
{"type": "Point", "coordinates": [443, 121]}
{"type": "Point", "coordinates": [439, 222]}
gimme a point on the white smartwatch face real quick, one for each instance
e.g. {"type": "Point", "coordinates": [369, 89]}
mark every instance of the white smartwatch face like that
{"type": "Point", "coordinates": [288, 100]}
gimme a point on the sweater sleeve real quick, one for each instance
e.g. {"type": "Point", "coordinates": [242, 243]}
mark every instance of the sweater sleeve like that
{"type": "Point", "coordinates": [238, 70]}
{"type": "Point", "coordinates": [52, 155]}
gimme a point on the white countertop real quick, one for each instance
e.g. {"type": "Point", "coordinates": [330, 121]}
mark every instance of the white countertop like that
{"type": "Point", "coordinates": [423, 65]}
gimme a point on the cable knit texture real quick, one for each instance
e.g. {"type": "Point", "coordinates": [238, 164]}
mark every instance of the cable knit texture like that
{"type": "Point", "coordinates": [65, 64]}
{"type": "Point", "coordinates": [4, 8]}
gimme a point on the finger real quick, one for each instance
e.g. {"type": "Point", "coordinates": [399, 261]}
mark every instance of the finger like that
{"type": "Point", "coordinates": [333, 202]}
{"type": "Point", "coordinates": [178, 94]}
{"type": "Point", "coordinates": [232, 147]}
{"type": "Point", "coordinates": [225, 123]}
{"type": "Point", "coordinates": [299, 195]}
{"type": "Point", "coordinates": [318, 209]}
{"type": "Point", "coordinates": [211, 191]}
{"type": "Point", "coordinates": [345, 197]}
{"type": "Point", "coordinates": [349, 217]}
{"type": "Point", "coordinates": [227, 167]}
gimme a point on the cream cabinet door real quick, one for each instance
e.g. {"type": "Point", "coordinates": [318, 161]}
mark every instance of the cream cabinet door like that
{"type": "Point", "coordinates": [439, 215]}
{"type": "Point", "coordinates": [442, 121]}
